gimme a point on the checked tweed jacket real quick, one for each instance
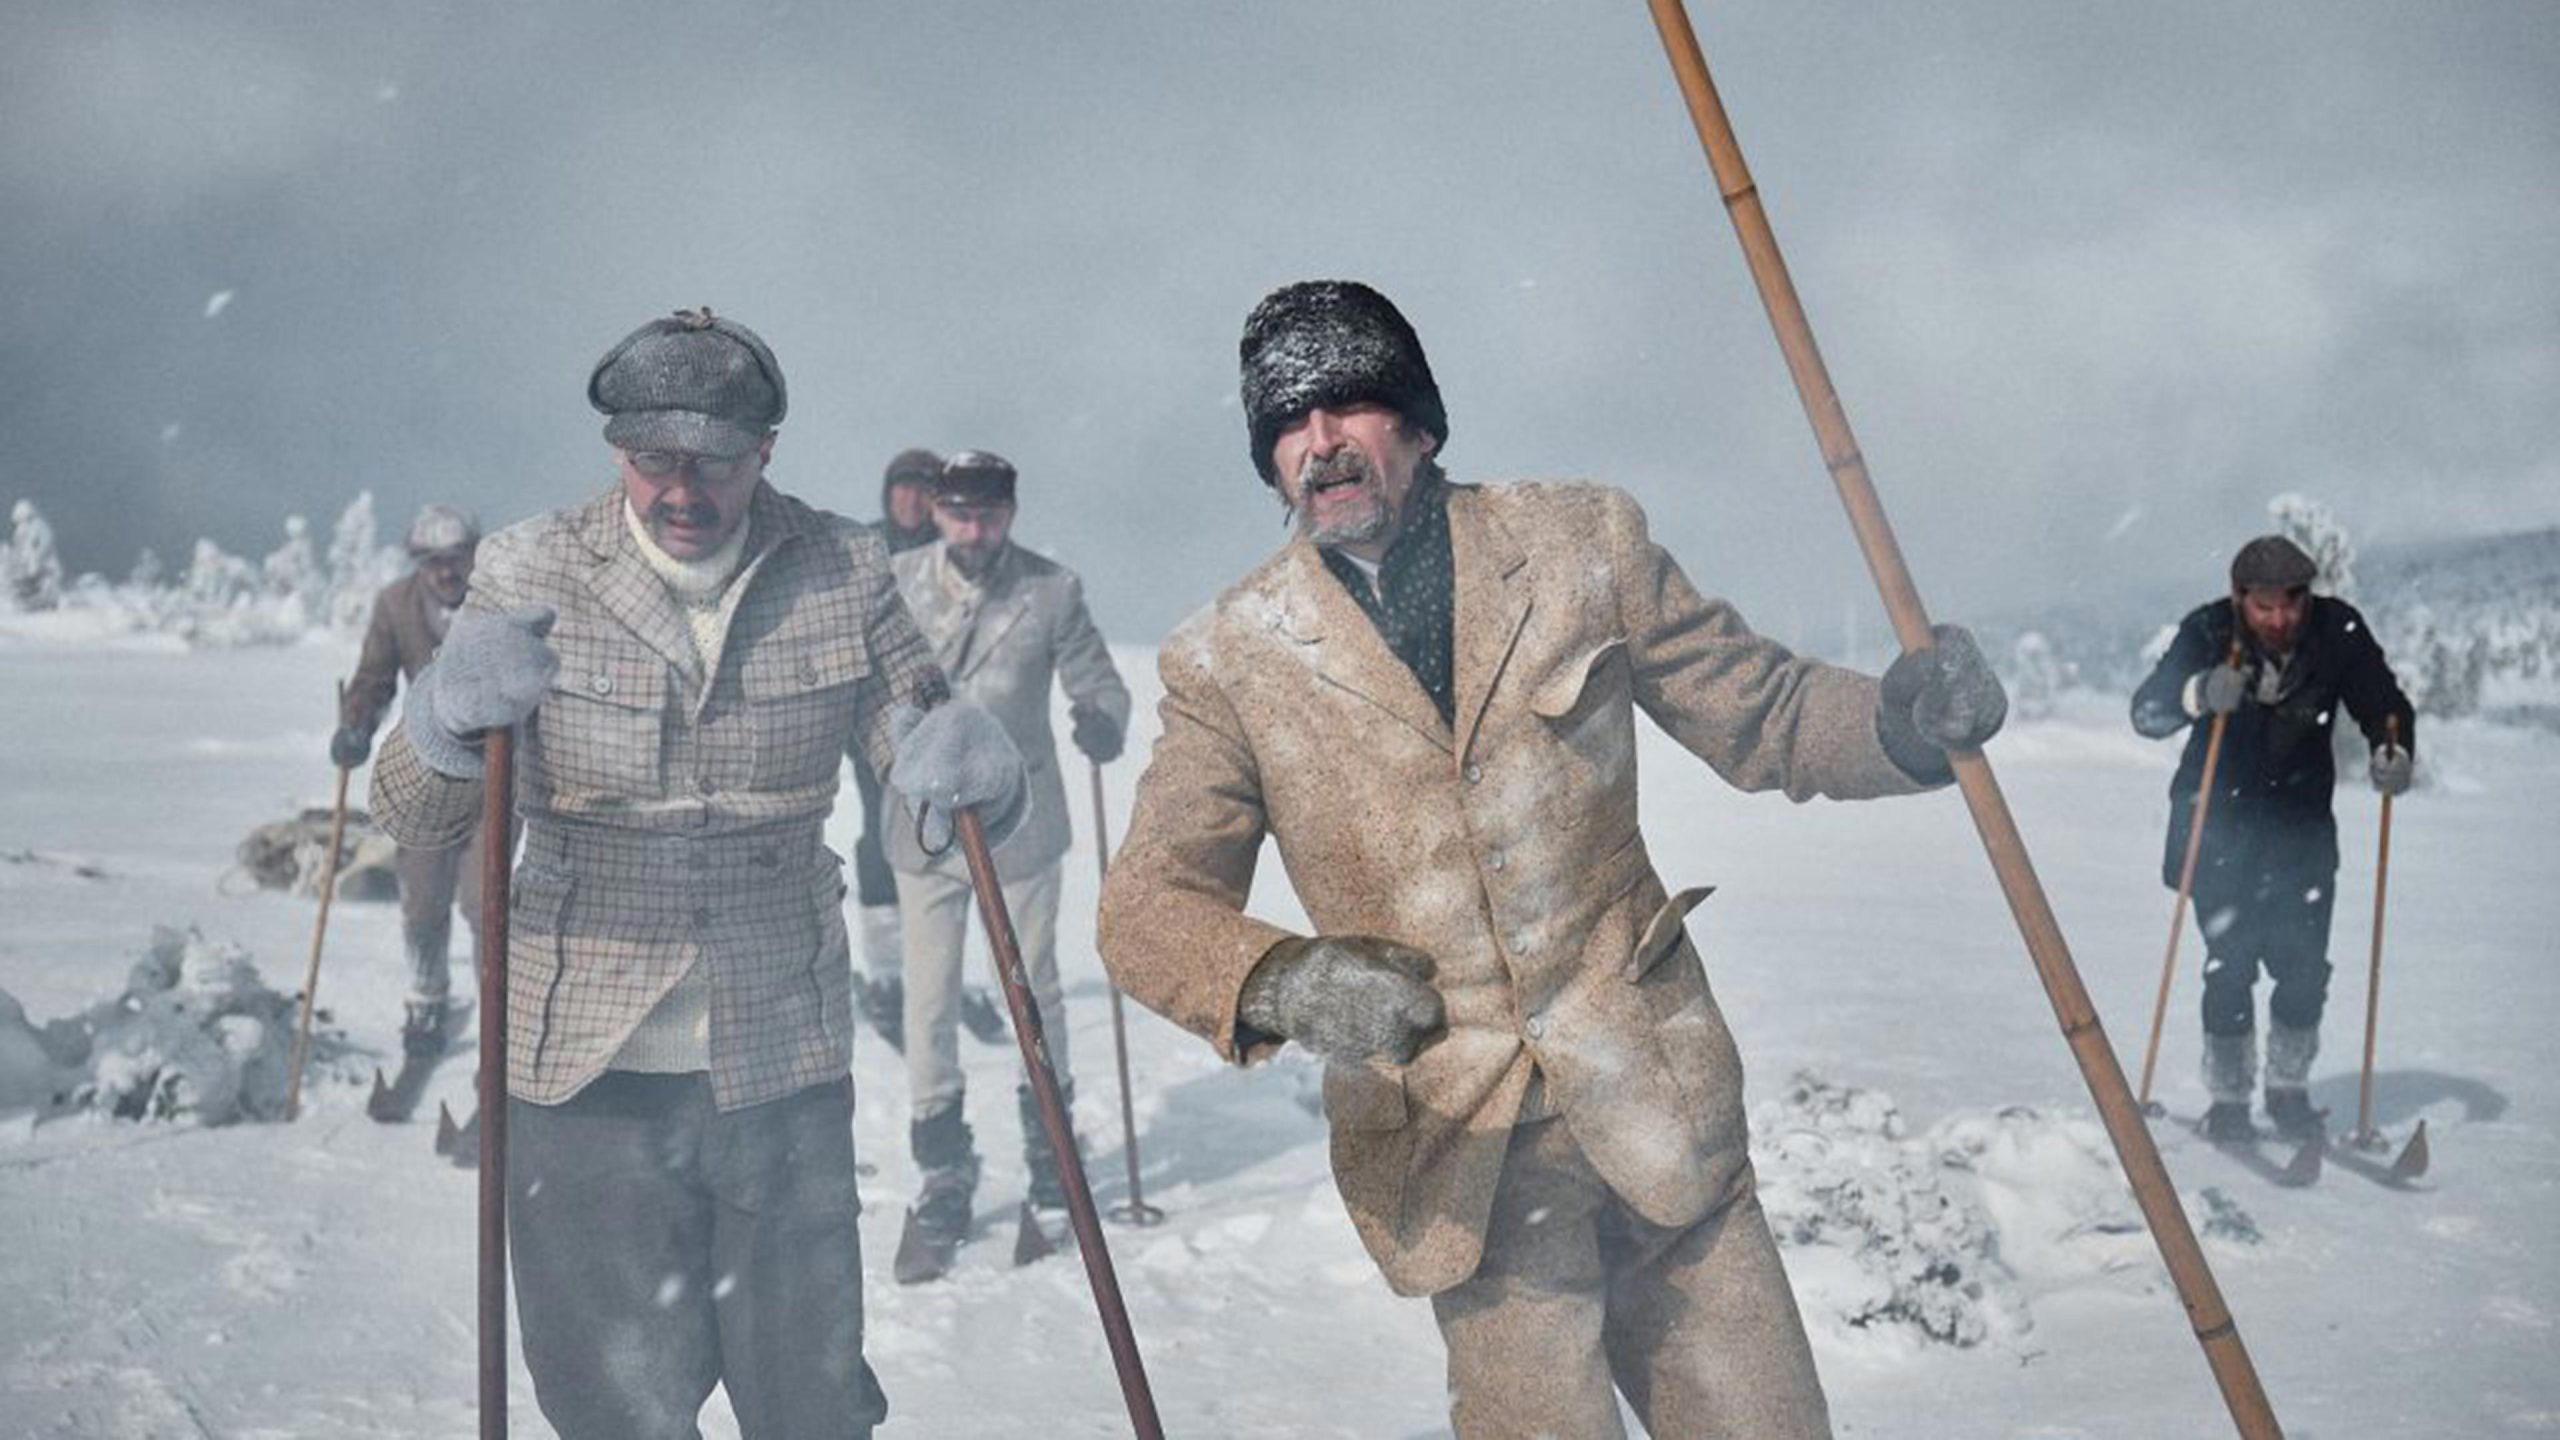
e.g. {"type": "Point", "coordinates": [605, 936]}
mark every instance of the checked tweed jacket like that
{"type": "Point", "coordinates": [1505, 846]}
{"type": "Point", "coordinates": [673, 803]}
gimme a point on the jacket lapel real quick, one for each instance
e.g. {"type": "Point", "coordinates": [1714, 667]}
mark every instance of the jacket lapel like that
{"type": "Point", "coordinates": [1489, 571]}
{"type": "Point", "coordinates": [633, 594]}
{"type": "Point", "coordinates": [1348, 649]}
{"type": "Point", "coordinates": [1001, 609]}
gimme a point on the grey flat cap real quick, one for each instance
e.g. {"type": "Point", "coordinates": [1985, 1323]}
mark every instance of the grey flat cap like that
{"type": "Point", "coordinates": [694, 381]}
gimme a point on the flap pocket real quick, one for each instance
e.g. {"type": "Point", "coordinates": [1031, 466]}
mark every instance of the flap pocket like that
{"type": "Point", "coordinates": [629, 682]}
{"type": "Point", "coordinates": [1364, 1097]}
{"type": "Point", "coordinates": [1556, 695]}
{"type": "Point", "coordinates": [777, 672]}
{"type": "Point", "coordinates": [1662, 933]}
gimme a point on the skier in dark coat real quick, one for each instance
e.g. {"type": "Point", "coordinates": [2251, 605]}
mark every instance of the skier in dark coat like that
{"type": "Point", "coordinates": [906, 521]}
{"type": "Point", "coordinates": [2267, 867]}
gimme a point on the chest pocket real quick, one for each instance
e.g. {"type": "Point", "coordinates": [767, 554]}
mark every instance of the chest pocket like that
{"type": "Point", "coordinates": [602, 728]}
{"type": "Point", "coordinates": [1587, 704]}
{"type": "Point", "coordinates": [800, 701]}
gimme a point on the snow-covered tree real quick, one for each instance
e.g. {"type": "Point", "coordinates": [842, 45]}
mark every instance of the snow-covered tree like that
{"type": "Point", "coordinates": [2313, 526]}
{"type": "Point", "coordinates": [35, 571]}
{"type": "Point", "coordinates": [216, 580]}
{"type": "Point", "coordinates": [2035, 676]}
{"type": "Point", "coordinates": [359, 564]}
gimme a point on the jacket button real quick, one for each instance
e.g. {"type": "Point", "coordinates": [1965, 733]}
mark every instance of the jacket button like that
{"type": "Point", "coordinates": [600, 683]}
{"type": "Point", "coordinates": [1537, 1027]}
{"type": "Point", "coordinates": [1474, 772]}
{"type": "Point", "coordinates": [1519, 942]}
{"type": "Point", "coordinates": [702, 785]}
{"type": "Point", "coordinates": [1497, 860]}
{"type": "Point", "coordinates": [808, 672]}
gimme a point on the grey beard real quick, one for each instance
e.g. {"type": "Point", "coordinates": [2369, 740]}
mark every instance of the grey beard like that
{"type": "Point", "coordinates": [1343, 464]}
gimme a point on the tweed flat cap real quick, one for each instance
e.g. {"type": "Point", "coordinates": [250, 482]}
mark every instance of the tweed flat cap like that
{"type": "Point", "coordinates": [693, 381]}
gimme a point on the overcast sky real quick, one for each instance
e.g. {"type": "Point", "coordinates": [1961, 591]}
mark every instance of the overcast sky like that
{"type": "Point", "coordinates": [2095, 279]}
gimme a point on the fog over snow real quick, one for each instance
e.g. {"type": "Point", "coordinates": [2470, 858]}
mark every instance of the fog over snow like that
{"type": "Point", "coordinates": [2094, 279]}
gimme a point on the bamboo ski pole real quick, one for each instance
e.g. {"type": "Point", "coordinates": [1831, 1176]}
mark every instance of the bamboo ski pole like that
{"type": "Point", "coordinates": [1135, 1210]}
{"type": "Point", "coordinates": [319, 932]}
{"type": "Point", "coordinates": [2186, 889]}
{"type": "Point", "coordinates": [1053, 1119]}
{"type": "Point", "coordinates": [2365, 1136]}
{"type": "Point", "coordinates": [2207, 1315]}
{"type": "Point", "coordinates": [497, 822]}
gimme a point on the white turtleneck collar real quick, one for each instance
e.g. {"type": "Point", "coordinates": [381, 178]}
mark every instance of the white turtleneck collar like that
{"type": "Point", "coordinates": [696, 583]}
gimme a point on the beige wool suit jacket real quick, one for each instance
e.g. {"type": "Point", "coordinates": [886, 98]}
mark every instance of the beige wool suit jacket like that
{"type": "Point", "coordinates": [1001, 643]}
{"type": "Point", "coordinates": [673, 802]}
{"type": "Point", "coordinates": [1505, 845]}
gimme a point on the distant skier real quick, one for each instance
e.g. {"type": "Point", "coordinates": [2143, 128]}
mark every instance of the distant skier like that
{"type": "Point", "coordinates": [906, 522]}
{"type": "Point", "coordinates": [408, 623]}
{"type": "Point", "coordinates": [1002, 622]}
{"type": "Point", "coordinates": [2266, 873]}
{"type": "Point", "coordinates": [1428, 700]}
{"type": "Point", "coordinates": [690, 654]}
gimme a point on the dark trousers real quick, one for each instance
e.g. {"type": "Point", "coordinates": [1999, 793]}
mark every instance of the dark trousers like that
{"type": "Point", "coordinates": [874, 883]}
{"type": "Point", "coordinates": [661, 1247]}
{"type": "Point", "coordinates": [2274, 918]}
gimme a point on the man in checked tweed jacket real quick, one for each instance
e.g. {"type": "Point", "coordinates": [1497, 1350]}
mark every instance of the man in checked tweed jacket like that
{"type": "Point", "coordinates": [689, 656]}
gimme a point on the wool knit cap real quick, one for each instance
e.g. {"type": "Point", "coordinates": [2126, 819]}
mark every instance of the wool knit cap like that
{"type": "Point", "coordinates": [975, 477]}
{"type": "Point", "coordinates": [1330, 343]}
{"type": "Point", "coordinates": [694, 382]}
{"type": "Point", "coordinates": [2272, 560]}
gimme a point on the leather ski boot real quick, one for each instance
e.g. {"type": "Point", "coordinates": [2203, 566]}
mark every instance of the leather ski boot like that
{"type": "Point", "coordinates": [2230, 1073]}
{"type": "Point", "coordinates": [2290, 1051]}
{"type": "Point", "coordinates": [1043, 1186]}
{"type": "Point", "coordinates": [423, 1028]}
{"type": "Point", "coordinates": [938, 1222]}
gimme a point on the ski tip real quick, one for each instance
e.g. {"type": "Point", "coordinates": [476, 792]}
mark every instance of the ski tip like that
{"type": "Point", "coordinates": [382, 1104]}
{"type": "Point", "coordinates": [2413, 1157]}
{"type": "Point", "coordinates": [1031, 1243]}
{"type": "Point", "coordinates": [919, 1259]}
{"type": "Point", "coordinates": [448, 1134]}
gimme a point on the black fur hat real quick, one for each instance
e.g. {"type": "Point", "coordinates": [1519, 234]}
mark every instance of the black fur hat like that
{"type": "Point", "coordinates": [2274, 561]}
{"type": "Point", "coordinates": [1330, 342]}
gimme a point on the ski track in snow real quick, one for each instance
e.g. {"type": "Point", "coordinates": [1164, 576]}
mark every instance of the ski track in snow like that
{"type": "Point", "coordinates": [266, 1282]}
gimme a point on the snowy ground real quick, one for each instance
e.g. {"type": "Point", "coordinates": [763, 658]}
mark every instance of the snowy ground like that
{"type": "Point", "coordinates": [262, 1280]}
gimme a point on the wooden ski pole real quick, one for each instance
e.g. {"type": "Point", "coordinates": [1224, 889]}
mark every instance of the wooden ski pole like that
{"type": "Point", "coordinates": [497, 822]}
{"type": "Point", "coordinates": [1135, 1210]}
{"type": "Point", "coordinates": [319, 932]}
{"type": "Point", "coordinates": [1053, 1119]}
{"type": "Point", "coordinates": [2365, 1137]}
{"type": "Point", "coordinates": [2207, 1315]}
{"type": "Point", "coordinates": [2186, 888]}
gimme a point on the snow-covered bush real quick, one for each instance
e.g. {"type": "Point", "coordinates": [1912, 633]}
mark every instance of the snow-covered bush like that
{"type": "Point", "coordinates": [1881, 1234]}
{"type": "Point", "coordinates": [196, 1035]}
{"type": "Point", "coordinates": [220, 600]}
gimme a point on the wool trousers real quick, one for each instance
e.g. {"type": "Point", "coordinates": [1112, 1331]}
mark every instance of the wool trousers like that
{"type": "Point", "coordinates": [935, 913]}
{"type": "Point", "coordinates": [1580, 1299]}
{"type": "Point", "coordinates": [661, 1246]}
{"type": "Point", "coordinates": [431, 883]}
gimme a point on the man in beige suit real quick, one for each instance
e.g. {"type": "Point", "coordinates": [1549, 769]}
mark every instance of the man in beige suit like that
{"type": "Point", "coordinates": [1002, 622]}
{"type": "Point", "coordinates": [689, 655]}
{"type": "Point", "coordinates": [1428, 700]}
